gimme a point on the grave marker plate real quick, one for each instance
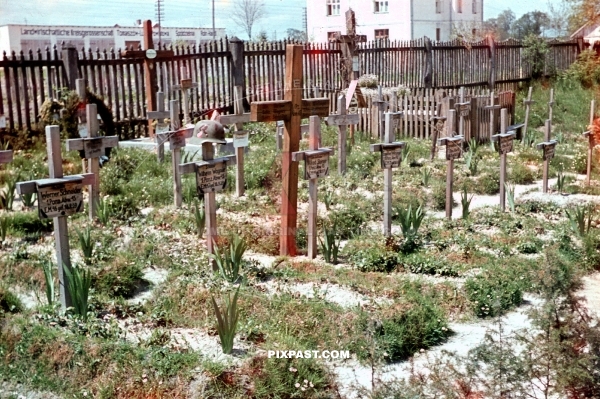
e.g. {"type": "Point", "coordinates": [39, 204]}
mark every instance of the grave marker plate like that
{"type": "Point", "coordinates": [506, 144]}
{"type": "Point", "coordinates": [391, 155]}
{"type": "Point", "coordinates": [240, 139]}
{"type": "Point", "coordinates": [59, 197]}
{"type": "Point", "coordinates": [270, 111]}
{"type": "Point", "coordinates": [177, 139]}
{"type": "Point", "coordinates": [549, 148]}
{"type": "Point", "coordinates": [211, 177]}
{"type": "Point", "coordinates": [463, 109]}
{"type": "Point", "coordinates": [316, 164]}
{"type": "Point", "coordinates": [93, 148]}
{"type": "Point", "coordinates": [453, 149]}
{"type": "Point", "coordinates": [315, 106]}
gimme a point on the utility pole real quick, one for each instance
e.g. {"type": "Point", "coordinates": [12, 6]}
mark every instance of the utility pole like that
{"type": "Point", "coordinates": [213, 21]}
{"type": "Point", "coordinates": [159, 17]}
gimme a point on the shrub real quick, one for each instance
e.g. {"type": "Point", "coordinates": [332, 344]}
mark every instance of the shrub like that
{"type": "Point", "coordinates": [535, 50]}
{"type": "Point", "coordinates": [349, 220]}
{"type": "Point", "coordinates": [493, 292]}
{"type": "Point", "coordinates": [120, 281]}
{"type": "Point", "coordinates": [488, 184]}
{"type": "Point", "coordinates": [521, 174]}
{"type": "Point", "coordinates": [374, 260]}
{"type": "Point", "coordinates": [438, 197]}
{"type": "Point", "coordinates": [9, 302]}
{"type": "Point", "coordinates": [586, 70]}
{"type": "Point", "coordinates": [427, 264]}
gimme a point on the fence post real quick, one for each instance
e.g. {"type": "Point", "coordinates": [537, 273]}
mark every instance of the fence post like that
{"type": "Point", "coordinates": [70, 61]}
{"type": "Point", "coordinates": [236, 48]}
{"type": "Point", "coordinates": [492, 50]}
{"type": "Point", "coordinates": [428, 78]}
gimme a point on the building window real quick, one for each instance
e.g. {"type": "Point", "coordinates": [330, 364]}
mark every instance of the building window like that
{"type": "Point", "coordinates": [438, 6]}
{"type": "Point", "coordinates": [333, 36]}
{"type": "Point", "coordinates": [381, 6]}
{"type": "Point", "coordinates": [333, 7]}
{"type": "Point", "coordinates": [459, 6]}
{"type": "Point", "coordinates": [438, 34]}
{"type": "Point", "coordinates": [474, 10]}
{"type": "Point", "coordinates": [382, 33]}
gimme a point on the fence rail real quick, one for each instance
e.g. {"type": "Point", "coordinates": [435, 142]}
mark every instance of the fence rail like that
{"type": "Point", "coordinates": [27, 80]}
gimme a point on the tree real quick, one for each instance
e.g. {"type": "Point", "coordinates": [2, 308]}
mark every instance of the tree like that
{"type": "Point", "coordinates": [582, 12]}
{"type": "Point", "coordinates": [247, 12]}
{"type": "Point", "coordinates": [296, 34]}
{"type": "Point", "coordinates": [532, 23]}
{"type": "Point", "coordinates": [501, 26]}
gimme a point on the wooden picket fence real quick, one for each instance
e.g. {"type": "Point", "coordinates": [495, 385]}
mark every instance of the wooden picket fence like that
{"type": "Point", "coordinates": [27, 80]}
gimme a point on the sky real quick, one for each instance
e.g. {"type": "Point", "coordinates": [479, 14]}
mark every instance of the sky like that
{"type": "Point", "coordinates": [281, 14]}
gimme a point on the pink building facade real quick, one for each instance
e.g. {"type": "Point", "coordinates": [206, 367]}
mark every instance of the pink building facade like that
{"type": "Point", "coordinates": [394, 19]}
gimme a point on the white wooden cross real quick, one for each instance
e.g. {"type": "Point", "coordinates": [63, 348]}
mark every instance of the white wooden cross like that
{"type": "Point", "coordinates": [438, 128]}
{"type": "Point", "coordinates": [185, 85]}
{"type": "Point", "coordinates": [304, 130]}
{"type": "Point", "coordinates": [58, 197]}
{"type": "Point", "coordinates": [528, 101]}
{"type": "Point", "coordinates": [161, 126]}
{"type": "Point", "coordinates": [381, 105]}
{"type": "Point", "coordinates": [211, 176]}
{"type": "Point", "coordinates": [6, 156]}
{"type": "Point", "coordinates": [391, 157]}
{"type": "Point", "coordinates": [505, 145]}
{"type": "Point", "coordinates": [454, 146]}
{"type": "Point", "coordinates": [492, 108]}
{"type": "Point", "coordinates": [463, 108]}
{"type": "Point", "coordinates": [316, 165]}
{"type": "Point", "coordinates": [591, 143]}
{"type": "Point", "coordinates": [176, 138]}
{"type": "Point", "coordinates": [548, 147]}
{"type": "Point", "coordinates": [551, 105]}
{"type": "Point", "coordinates": [93, 148]}
{"type": "Point", "coordinates": [341, 120]}
{"type": "Point", "coordinates": [240, 140]}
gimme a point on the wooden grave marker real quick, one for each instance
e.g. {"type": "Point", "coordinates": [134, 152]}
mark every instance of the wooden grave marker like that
{"type": "Point", "coordinates": [150, 56]}
{"type": "Point", "coordinates": [591, 143]}
{"type": "Point", "coordinates": [463, 109]}
{"type": "Point", "coordinates": [185, 85]}
{"type": "Point", "coordinates": [279, 134]}
{"type": "Point", "coordinates": [341, 120]}
{"type": "Point", "coordinates": [505, 145]}
{"type": "Point", "coordinates": [6, 156]}
{"type": "Point", "coordinates": [548, 148]}
{"type": "Point", "coordinates": [454, 146]}
{"type": "Point", "coordinates": [493, 107]}
{"type": "Point", "coordinates": [240, 141]}
{"type": "Point", "coordinates": [316, 165]}
{"type": "Point", "coordinates": [58, 197]}
{"type": "Point", "coordinates": [391, 157]}
{"type": "Point", "coordinates": [177, 140]}
{"type": "Point", "coordinates": [438, 128]}
{"type": "Point", "coordinates": [381, 105]}
{"type": "Point", "coordinates": [161, 127]}
{"type": "Point", "coordinates": [551, 105]}
{"type": "Point", "coordinates": [527, 102]}
{"type": "Point", "coordinates": [93, 148]}
{"type": "Point", "coordinates": [291, 110]}
{"type": "Point", "coordinates": [211, 177]}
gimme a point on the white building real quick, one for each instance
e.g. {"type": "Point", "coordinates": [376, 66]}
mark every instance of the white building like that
{"type": "Point", "coordinates": [25, 37]}
{"type": "Point", "coordinates": [394, 19]}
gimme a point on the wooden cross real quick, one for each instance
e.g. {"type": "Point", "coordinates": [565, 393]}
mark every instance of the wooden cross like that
{"type": "Point", "coordinates": [240, 141]}
{"type": "Point", "coordinates": [528, 101]}
{"type": "Point", "coordinates": [548, 147]}
{"type": "Point", "coordinates": [176, 138]}
{"type": "Point", "coordinates": [438, 128]}
{"type": "Point", "coordinates": [6, 156]}
{"type": "Point", "coordinates": [342, 120]}
{"type": "Point", "coordinates": [186, 84]}
{"type": "Point", "coordinates": [316, 165]}
{"type": "Point", "coordinates": [150, 76]}
{"type": "Point", "coordinates": [304, 130]}
{"type": "Point", "coordinates": [454, 145]}
{"type": "Point", "coordinates": [492, 108]}
{"type": "Point", "coordinates": [505, 145]}
{"type": "Point", "coordinates": [591, 143]}
{"type": "Point", "coordinates": [211, 176]}
{"type": "Point", "coordinates": [354, 100]}
{"type": "Point", "coordinates": [551, 105]}
{"type": "Point", "coordinates": [348, 43]}
{"type": "Point", "coordinates": [391, 157]}
{"type": "Point", "coordinates": [291, 110]}
{"type": "Point", "coordinates": [93, 148]}
{"type": "Point", "coordinates": [161, 127]}
{"type": "Point", "coordinates": [381, 104]}
{"type": "Point", "coordinates": [463, 108]}
{"type": "Point", "coordinates": [58, 197]}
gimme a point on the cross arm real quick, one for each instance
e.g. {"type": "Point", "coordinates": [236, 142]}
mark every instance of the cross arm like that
{"type": "Point", "coordinates": [300, 155]}
{"type": "Point", "coordinates": [447, 140]}
{"type": "Point", "coordinates": [186, 168]}
{"type": "Point", "coordinates": [315, 106]}
{"type": "Point", "coordinates": [380, 146]}
{"type": "Point", "coordinates": [142, 54]}
{"type": "Point", "coordinates": [158, 114]}
{"type": "Point", "coordinates": [546, 144]}
{"type": "Point", "coordinates": [30, 186]}
{"type": "Point", "coordinates": [492, 107]}
{"type": "Point", "coordinates": [338, 120]}
{"type": "Point", "coordinates": [107, 142]}
{"type": "Point", "coordinates": [187, 132]}
{"type": "Point", "coordinates": [231, 119]}
{"type": "Point", "coordinates": [497, 137]}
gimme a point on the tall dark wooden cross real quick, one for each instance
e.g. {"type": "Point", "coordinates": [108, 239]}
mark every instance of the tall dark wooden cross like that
{"type": "Point", "coordinates": [391, 157]}
{"type": "Point", "coordinates": [591, 143]}
{"type": "Point", "coordinates": [291, 110]}
{"type": "Point", "coordinates": [93, 148]}
{"type": "Point", "coordinates": [463, 109]}
{"type": "Point", "coordinates": [58, 197]}
{"type": "Point", "coordinates": [493, 108]}
{"type": "Point", "coordinates": [150, 56]}
{"type": "Point", "coordinates": [316, 165]}
{"type": "Point", "coordinates": [348, 42]}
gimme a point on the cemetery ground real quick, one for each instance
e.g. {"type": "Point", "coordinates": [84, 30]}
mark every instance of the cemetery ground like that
{"type": "Point", "coordinates": [393, 302]}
